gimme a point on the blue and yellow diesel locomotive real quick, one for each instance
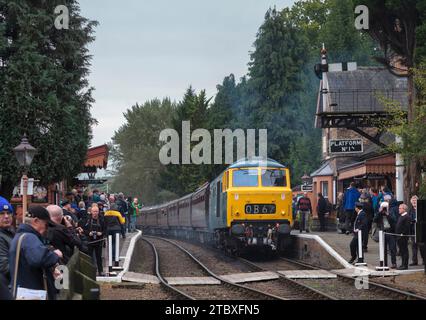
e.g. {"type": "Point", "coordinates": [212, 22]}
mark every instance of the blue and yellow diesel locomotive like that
{"type": "Point", "coordinates": [248, 205]}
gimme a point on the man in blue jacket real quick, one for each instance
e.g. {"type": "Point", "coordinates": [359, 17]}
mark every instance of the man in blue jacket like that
{"type": "Point", "coordinates": [350, 198]}
{"type": "Point", "coordinates": [35, 259]}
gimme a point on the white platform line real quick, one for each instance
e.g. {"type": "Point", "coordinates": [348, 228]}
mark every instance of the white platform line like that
{"type": "Point", "coordinates": [328, 248]}
{"type": "Point", "coordinates": [127, 260]}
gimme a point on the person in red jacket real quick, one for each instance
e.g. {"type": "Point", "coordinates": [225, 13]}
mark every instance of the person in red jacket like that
{"type": "Point", "coordinates": [305, 209]}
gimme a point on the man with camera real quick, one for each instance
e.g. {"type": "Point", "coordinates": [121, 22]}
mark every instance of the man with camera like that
{"type": "Point", "coordinates": [94, 229]}
{"type": "Point", "coordinates": [386, 222]}
{"type": "Point", "coordinates": [62, 235]}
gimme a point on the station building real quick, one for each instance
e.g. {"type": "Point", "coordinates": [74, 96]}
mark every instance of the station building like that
{"type": "Point", "coordinates": [351, 103]}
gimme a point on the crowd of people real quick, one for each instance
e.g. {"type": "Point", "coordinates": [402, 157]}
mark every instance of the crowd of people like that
{"type": "Point", "coordinates": [368, 210]}
{"type": "Point", "coordinates": [31, 254]}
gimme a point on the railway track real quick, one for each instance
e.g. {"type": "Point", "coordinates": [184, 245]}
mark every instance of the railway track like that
{"type": "Point", "coordinates": [283, 288]}
{"type": "Point", "coordinates": [343, 287]}
{"type": "Point", "coordinates": [387, 292]}
{"type": "Point", "coordinates": [224, 291]}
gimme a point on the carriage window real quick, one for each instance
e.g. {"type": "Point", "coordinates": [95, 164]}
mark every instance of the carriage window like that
{"type": "Point", "coordinates": [273, 178]}
{"type": "Point", "coordinates": [245, 178]}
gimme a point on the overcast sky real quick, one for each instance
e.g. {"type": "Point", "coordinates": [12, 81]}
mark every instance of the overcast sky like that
{"type": "Point", "coordinates": [156, 48]}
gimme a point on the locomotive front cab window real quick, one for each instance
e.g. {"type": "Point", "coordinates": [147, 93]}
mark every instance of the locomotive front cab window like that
{"type": "Point", "coordinates": [245, 178]}
{"type": "Point", "coordinates": [274, 178]}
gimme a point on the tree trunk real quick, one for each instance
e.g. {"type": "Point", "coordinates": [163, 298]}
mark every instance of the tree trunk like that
{"type": "Point", "coordinates": [413, 167]}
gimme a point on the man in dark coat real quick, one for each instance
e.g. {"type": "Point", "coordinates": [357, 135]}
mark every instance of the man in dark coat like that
{"type": "Point", "coordinates": [35, 258]}
{"type": "Point", "coordinates": [386, 222]}
{"type": "Point", "coordinates": [94, 229]}
{"type": "Point", "coordinates": [360, 224]}
{"type": "Point", "coordinates": [6, 236]}
{"type": "Point", "coordinates": [123, 209]}
{"type": "Point", "coordinates": [403, 228]}
{"type": "Point", "coordinates": [415, 247]}
{"type": "Point", "coordinates": [61, 235]}
{"type": "Point", "coordinates": [322, 209]}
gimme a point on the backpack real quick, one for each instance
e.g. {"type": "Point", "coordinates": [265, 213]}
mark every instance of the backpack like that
{"type": "Point", "coordinates": [329, 205]}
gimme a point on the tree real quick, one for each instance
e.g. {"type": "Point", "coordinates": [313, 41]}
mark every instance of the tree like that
{"type": "Point", "coordinates": [44, 90]}
{"type": "Point", "coordinates": [135, 150]}
{"type": "Point", "coordinates": [275, 78]}
{"type": "Point", "coordinates": [398, 25]}
{"type": "Point", "coordinates": [185, 178]}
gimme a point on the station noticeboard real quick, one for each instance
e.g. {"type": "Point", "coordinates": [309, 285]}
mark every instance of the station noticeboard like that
{"type": "Point", "coordinates": [346, 146]}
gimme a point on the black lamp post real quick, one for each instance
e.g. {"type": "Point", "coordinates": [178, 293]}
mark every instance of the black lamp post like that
{"type": "Point", "coordinates": [24, 153]}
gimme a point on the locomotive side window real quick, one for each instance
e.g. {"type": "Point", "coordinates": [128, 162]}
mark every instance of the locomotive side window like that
{"type": "Point", "coordinates": [245, 178]}
{"type": "Point", "coordinates": [273, 178]}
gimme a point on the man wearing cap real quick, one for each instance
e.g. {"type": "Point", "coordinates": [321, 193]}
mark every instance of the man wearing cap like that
{"type": "Point", "coordinates": [6, 236]}
{"type": "Point", "coordinates": [35, 259]}
{"type": "Point", "coordinates": [67, 209]}
{"type": "Point", "coordinates": [360, 224]}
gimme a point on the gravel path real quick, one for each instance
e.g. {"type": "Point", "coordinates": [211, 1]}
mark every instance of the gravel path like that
{"type": "Point", "coordinates": [216, 261]}
{"type": "Point", "coordinates": [344, 290]}
{"type": "Point", "coordinates": [219, 292]}
{"type": "Point", "coordinates": [143, 260]}
{"type": "Point", "coordinates": [174, 262]}
{"type": "Point", "coordinates": [144, 292]}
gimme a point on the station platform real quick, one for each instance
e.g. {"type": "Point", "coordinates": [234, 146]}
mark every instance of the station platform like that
{"type": "Point", "coordinates": [340, 243]}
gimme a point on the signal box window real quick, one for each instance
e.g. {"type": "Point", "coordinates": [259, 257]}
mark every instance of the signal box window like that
{"type": "Point", "coordinates": [245, 178]}
{"type": "Point", "coordinates": [273, 178]}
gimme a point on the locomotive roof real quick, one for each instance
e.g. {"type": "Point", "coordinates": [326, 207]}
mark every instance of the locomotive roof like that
{"type": "Point", "coordinates": [253, 163]}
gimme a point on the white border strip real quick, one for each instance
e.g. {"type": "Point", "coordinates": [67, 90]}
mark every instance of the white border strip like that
{"type": "Point", "coordinates": [129, 254]}
{"type": "Point", "coordinates": [127, 261]}
{"type": "Point", "coordinates": [328, 248]}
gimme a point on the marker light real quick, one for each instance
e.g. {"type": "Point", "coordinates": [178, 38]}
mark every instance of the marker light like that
{"type": "Point", "coordinates": [236, 196]}
{"type": "Point", "coordinates": [282, 196]}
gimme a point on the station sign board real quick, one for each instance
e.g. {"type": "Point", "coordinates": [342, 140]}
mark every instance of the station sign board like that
{"type": "Point", "coordinates": [346, 146]}
{"type": "Point", "coordinates": [307, 188]}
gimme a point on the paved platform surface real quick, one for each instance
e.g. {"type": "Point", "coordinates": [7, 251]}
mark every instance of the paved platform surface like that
{"type": "Point", "coordinates": [250, 277]}
{"type": "Point", "coordinates": [308, 274]}
{"type": "Point", "coordinates": [340, 243]}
